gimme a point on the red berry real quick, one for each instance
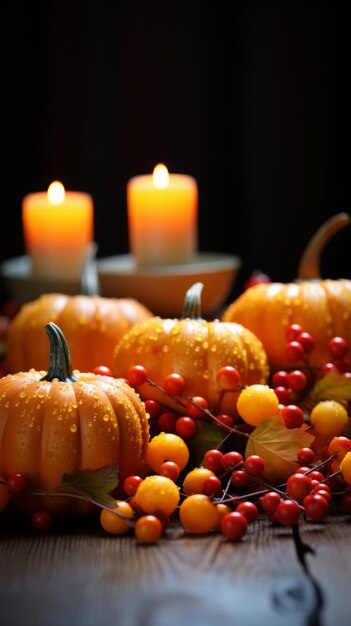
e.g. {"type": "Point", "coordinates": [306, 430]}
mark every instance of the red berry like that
{"type": "Point", "coordinates": [316, 475]}
{"type": "Point", "coordinates": [228, 377]}
{"type": "Point", "coordinates": [293, 331]}
{"type": "Point", "coordinates": [213, 460]}
{"type": "Point", "coordinates": [279, 379]}
{"type": "Point", "coordinates": [254, 465]}
{"type": "Point", "coordinates": [16, 483]}
{"type": "Point", "coordinates": [42, 520]}
{"type": "Point", "coordinates": [185, 427]}
{"type": "Point", "coordinates": [102, 370]}
{"type": "Point", "coordinates": [297, 380]}
{"type": "Point", "coordinates": [195, 407]}
{"type": "Point", "coordinates": [270, 501]}
{"type": "Point", "coordinates": [131, 484]}
{"type": "Point", "coordinates": [239, 479]}
{"type": "Point", "coordinates": [234, 525]}
{"type": "Point", "coordinates": [282, 394]}
{"type": "Point", "coordinates": [292, 416]}
{"type": "Point", "coordinates": [170, 469]}
{"type": "Point", "coordinates": [346, 501]}
{"type": "Point", "coordinates": [305, 456]}
{"type": "Point", "coordinates": [294, 351]}
{"type": "Point", "coordinates": [153, 408]}
{"type": "Point", "coordinates": [298, 486]}
{"type": "Point", "coordinates": [257, 278]}
{"type": "Point", "coordinates": [249, 510]}
{"type": "Point", "coordinates": [226, 421]}
{"type": "Point", "coordinates": [287, 512]}
{"type": "Point", "coordinates": [167, 422]}
{"type": "Point", "coordinates": [174, 384]}
{"type": "Point", "coordinates": [231, 459]}
{"type": "Point", "coordinates": [322, 492]}
{"type": "Point", "coordinates": [137, 375]}
{"type": "Point", "coordinates": [338, 347]}
{"type": "Point", "coordinates": [316, 507]}
{"type": "Point", "coordinates": [212, 485]}
{"type": "Point", "coordinates": [326, 368]}
{"type": "Point", "coordinates": [307, 341]}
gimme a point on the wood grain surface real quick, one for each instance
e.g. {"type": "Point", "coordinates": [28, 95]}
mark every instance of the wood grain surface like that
{"type": "Point", "coordinates": [80, 576]}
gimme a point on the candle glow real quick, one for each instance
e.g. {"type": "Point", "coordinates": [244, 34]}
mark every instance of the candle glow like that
{"type": "Point", "coordinates": [162, 217]}
{"type": "Point", "coordinates": [58, 230]}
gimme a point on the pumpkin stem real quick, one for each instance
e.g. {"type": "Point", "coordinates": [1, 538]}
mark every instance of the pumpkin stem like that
{"type": "Point", "coordinates": [60, 360]}
{"type": "Point", "coordinates": [192, 303]}
{"type": "Point", "coordinates": [309, 267]}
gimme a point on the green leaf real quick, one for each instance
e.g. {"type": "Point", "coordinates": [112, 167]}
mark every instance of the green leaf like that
{"type": "Point", "coordinates": [278, 446]}
{"type": "Point", "coordinates": [333, 386]}
{"type": "Point", "coordinates": [94, 485]}
{"type": "Point", "coordinates": [207, 437]}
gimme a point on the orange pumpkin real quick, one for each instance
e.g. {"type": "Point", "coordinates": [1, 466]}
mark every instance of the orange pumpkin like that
{"type": "Point", "coordinates": [63, 422]}
{"type": "Point", "coordinates": [194, 348]}
{"type": "Point", "coordinates": [92, 326]}
{"type": "Point", "coordinates": [321, 307]}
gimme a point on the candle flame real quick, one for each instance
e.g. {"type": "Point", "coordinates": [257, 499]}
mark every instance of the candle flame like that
{"type": "Point", "coordinates": [56, 192]}
{"type": "Point", "coordinates": [160, 176]}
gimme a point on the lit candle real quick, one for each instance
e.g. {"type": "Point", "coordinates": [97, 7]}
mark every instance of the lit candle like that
{"type": "Point", "coordinates": [162, 217]}
{"type": "Point", "coordinates": [58, 231]}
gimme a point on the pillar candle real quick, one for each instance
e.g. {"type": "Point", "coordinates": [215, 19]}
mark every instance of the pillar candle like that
{"type": "Point", "coordinates": [58, 231]}
{"type": "Point", "coordinates": [162, 217]}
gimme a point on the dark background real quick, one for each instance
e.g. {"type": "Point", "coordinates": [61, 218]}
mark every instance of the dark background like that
{"type": "Point", "coordinates": [249, 97]}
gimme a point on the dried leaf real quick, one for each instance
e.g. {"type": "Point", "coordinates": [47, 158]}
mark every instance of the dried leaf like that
{"type": "Point", "coordinates": [278, 446]}
{"type": "Point", "coordinates": [95, 485]}
{"type": "Point", "coordinates": [333, 386]}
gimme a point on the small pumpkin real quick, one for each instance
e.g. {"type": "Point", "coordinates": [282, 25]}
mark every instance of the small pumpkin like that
{"type": "Point", "coordinates": [321, 307]}
{"type": "Point", "coordinates": [62, 422]}
{"type": "Point", "coordinates": [194, 348]}
{"type": "Point", "coordinates": [92, 326]}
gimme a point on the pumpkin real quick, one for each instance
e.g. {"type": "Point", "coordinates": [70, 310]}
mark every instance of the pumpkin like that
{"type": "Point", "coordinates": [62, 422]}
{"type": "Point", "coordinates": [194, 348]}
{"type": "Point", "coordinates": [321, 307]}
{"type": "Point", "coordinates": [92, 325]}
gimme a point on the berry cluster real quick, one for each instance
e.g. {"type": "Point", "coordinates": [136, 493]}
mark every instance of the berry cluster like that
{"type": "Point", "coordinates": [229, 489]}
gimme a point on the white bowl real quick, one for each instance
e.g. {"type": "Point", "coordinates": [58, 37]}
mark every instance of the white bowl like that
{"type": "Point", "coordinates": [162, 288]}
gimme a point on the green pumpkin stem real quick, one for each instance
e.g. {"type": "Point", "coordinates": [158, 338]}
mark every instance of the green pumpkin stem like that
{"type": "Point", "coordinates": [60, 360]}
{"type": "Point", "coordinates": [192, 303]}
{"type": "Point", "coordinates": [309, 267]}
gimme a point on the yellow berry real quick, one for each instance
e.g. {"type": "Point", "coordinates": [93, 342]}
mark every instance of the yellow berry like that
{"type": "Point", "coordinates": [157, 493]}
{"type": "Point", "coordinates": [329, 418]}
{"type": "Point", "coordinates": [167, 447]}
{"type": "Point", "coordinates": [194, 480]}
{"type": "Point", "coordinates": [113, 521]}
{"type": "Point", "coordinates": [198, 514]}
{"type": "Point", "coordinates": [345, 467]}
{"type": "Point", "coordinates": [222, 510]}
{"type": "Point", "coordinates": [256, 403]}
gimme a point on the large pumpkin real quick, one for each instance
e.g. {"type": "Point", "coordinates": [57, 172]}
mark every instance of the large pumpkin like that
{"type": "Point", "coordinates": [62, 422]}
{"type": "Point", "coordinates": [321, 307]}
{"type": "Point", "coordinates": [194, 348]}
{"type": "Point", "coordinates": [92, 326]}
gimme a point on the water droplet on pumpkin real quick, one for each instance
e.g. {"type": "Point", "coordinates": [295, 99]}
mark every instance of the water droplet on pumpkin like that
{"type": "Point", "coordinates": [95, 396]}
{"type": "Point", "coordinates": [22, 394]}
{"type": "Point", "coordinates": [73, 428]}
{"type": "Point", "coordinates": [206, 374]}
{"type": "Point", "coordinates": [106, 418]}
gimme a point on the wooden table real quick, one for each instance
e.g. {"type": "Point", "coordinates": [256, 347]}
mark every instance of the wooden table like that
{"type": "Point", "coordinates": [80, 576]}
